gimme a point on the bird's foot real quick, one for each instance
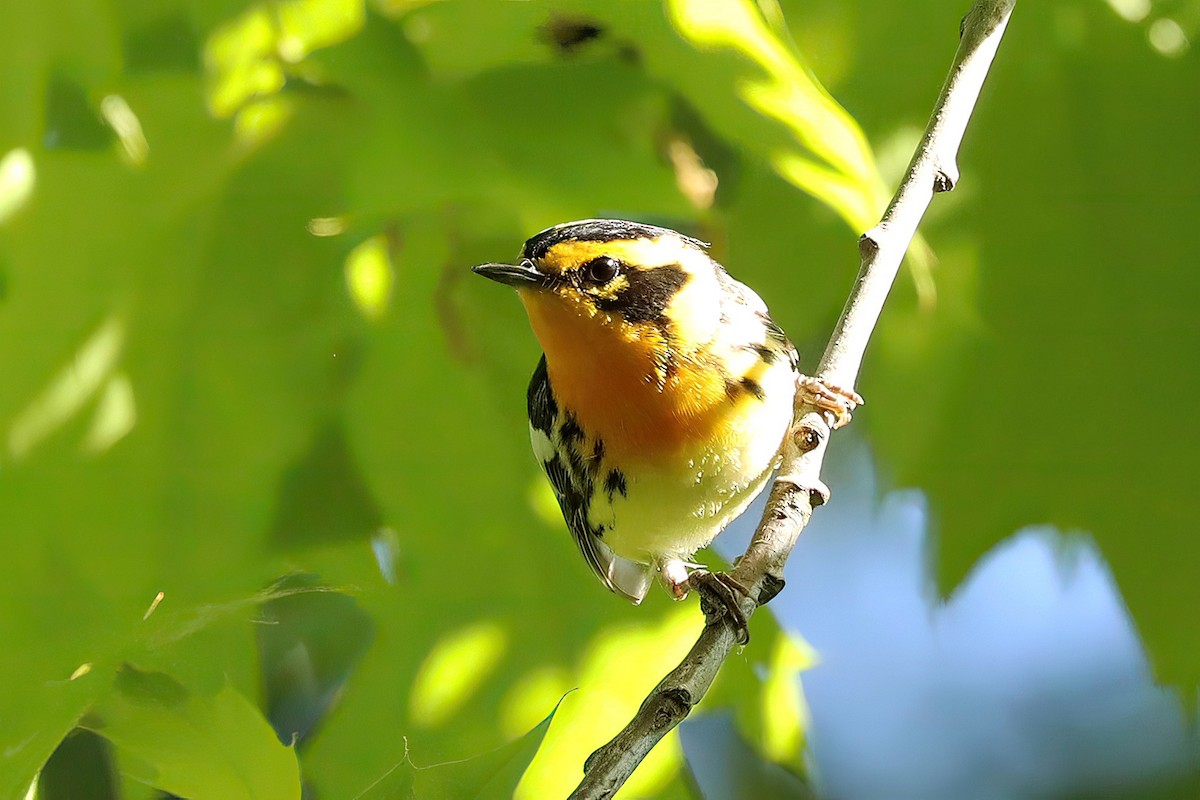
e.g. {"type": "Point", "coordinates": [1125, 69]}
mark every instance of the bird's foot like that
{"type": "Point", "coordinates": [718, 592]}
{"type": "Point", "coordinates": [719, 597]}
{"type": "Point", "coordinates": [827, 397]}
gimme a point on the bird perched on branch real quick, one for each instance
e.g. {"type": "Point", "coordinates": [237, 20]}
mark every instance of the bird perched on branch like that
{"type": "Point", "coordinates": [663, 396]}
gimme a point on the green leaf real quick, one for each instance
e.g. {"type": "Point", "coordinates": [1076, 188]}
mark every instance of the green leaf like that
{"type": "Point", "coordinates": [493, 774]}
{"type": "Point", "coordinates": [169, 342]}
{"type": "Point", "coordinates": [192, 745]}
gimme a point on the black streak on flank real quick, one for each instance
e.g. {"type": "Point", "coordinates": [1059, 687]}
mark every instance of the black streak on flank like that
{"type": "Point", "coordinates": [570, 432]}
{"type": "Point", "coordinates": [575, 460]}
{"type": "Point", "coordinates": [571, 439]}
{"type": "Point", "coordinates": [573, 497]}
{"type": "Point", "coordinates": [598, 230]}
{"type": "Point", "coordinates": [542, 407]}
{"type": "Point", "coordinates": [574, 485]}
{"type": "Point", "coordinates": [648, 294]}
{"type": "Point", "coordinates": [615, 484]}
{"type": "Point", "coordinates": [564, 488]}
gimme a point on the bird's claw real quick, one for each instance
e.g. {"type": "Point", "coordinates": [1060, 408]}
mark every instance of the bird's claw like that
{"type": "Point", "coordinates": [827, 397]}
{"type": "Point", "coordinates": [719, 598]}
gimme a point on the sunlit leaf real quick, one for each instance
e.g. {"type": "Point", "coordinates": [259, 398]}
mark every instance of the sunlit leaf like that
{"type": "Point", "coordinates": [17, 179]}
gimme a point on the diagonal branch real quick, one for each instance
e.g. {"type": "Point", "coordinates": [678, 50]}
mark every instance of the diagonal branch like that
{"type": "Point", "coordinates": [797, 489]}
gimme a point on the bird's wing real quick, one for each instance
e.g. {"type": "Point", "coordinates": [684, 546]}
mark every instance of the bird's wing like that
{"type": "Point", "coordinates": [575, 487]}
{"type": "Point", "coordinates": [749, 323]}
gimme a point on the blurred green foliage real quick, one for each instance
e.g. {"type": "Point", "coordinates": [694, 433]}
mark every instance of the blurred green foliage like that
{"type": "Point", "coordinates": [262, 441]}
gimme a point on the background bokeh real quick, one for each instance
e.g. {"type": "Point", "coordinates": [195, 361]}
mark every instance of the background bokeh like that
{"type": "Point", "coordinates": [269, 516]}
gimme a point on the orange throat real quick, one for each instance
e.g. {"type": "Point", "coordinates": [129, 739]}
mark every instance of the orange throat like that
{"type": "Point", "coordinates": [616, 379]}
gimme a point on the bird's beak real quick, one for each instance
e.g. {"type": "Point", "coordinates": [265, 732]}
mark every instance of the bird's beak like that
{"type": "Point", "coordinates": [518, 275]}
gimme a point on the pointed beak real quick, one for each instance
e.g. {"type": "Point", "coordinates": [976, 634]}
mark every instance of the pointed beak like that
{"type": "Point", "coordinates": [517, 275]}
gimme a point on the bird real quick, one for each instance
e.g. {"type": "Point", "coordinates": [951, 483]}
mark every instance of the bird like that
{"type": "Point", "coordinates": [662, 397]}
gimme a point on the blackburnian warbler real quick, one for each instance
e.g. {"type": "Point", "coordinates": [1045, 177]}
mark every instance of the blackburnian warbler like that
{"type": "Point", "coordinates": [663, 396]}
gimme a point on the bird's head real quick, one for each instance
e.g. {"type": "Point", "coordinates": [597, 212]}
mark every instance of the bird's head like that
{"type": "Point", "coordinates": [605, 283]}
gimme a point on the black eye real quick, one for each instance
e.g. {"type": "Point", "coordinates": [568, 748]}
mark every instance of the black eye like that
{"type": "Point", "coordinates": [602, 269]}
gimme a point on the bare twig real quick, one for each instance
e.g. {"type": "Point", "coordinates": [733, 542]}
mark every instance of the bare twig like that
{"type": "Point", "coordinates": [798, 489]}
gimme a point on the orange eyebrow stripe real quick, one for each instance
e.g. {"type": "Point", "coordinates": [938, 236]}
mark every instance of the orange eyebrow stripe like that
{"type": "Point", "coordinates": [571, 254]}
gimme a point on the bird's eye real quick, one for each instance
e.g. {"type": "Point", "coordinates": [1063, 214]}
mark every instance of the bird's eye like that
{"type": "Point", "coordinates": [602, 269]}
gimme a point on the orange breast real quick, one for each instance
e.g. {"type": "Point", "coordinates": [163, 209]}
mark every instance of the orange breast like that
{"type": "Point", "coordinates": [608, 375]}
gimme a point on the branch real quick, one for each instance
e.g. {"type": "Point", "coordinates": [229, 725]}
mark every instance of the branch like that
{"type": "Point", "coordinates": [797, 489]}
